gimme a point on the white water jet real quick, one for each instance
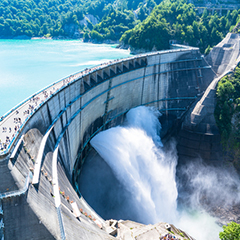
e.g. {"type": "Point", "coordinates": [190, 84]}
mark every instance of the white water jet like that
{"type": "Point", "coordinates": [140, 165]}
{"type": "Point", "coordinates": [135, 154]}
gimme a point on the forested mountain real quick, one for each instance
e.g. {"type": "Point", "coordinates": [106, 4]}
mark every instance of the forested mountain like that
{"type": "Point", "coordinates": [179, 21]}
{"type": "Point", "coordinates": [36, 18]}
{"type": "Point", "coordinates": [67, 18]}
{"type": "Point", "coordinates": [227, 115]}
{"type": "Point", "coordinates": [138, 24]}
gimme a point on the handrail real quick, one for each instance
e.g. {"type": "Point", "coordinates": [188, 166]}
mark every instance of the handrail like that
{"type": "Point", "coordinates": [40, 155]}
{"type": "Point", "coordinates": [184, 46]}
{"type": "Point", "coordinates": [28, 98]}
{"type": "Point", "coordinates": [17, 192]}
{"type": "Point", "coordinates": [60, 221]}
{"type": "Point", "coordinates": [16, 147]}
{"type": "Point", "coordinates": [77, 76]}
{"type": "Point", "coordinates": [99, 67]}
{"type": "Point", "coordinates": [19, 130]}
{"type": "Point", "coordinates": [56, 191]}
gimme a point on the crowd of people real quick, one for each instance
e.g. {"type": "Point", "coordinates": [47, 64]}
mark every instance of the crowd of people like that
{"type": "Point", "coordinates": [35, 101]}
{"type": "Point", "coordinates": [7, 132]}
{"type": "Point", "coordinates": [17, 123]}
{"type": "Point", "coordinates": [169, 237]}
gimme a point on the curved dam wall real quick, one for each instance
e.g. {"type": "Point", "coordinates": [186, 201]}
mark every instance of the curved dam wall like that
{"type": "Point", "coordinates": [91, 101]}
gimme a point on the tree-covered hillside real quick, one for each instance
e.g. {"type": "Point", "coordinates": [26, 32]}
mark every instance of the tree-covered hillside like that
{"type": "Point", "coordinates": [228, 103]}
{"type": "Point", "coordinates": [138, 24]}
{"type": "Point", "coordinates": [36, 18]}
{"type": "Point", "coordinates": [227, 115]}
{"type": "Point", "coordinates": [122, 16]}
{"type": "Point", "coordinates": [179, 21]}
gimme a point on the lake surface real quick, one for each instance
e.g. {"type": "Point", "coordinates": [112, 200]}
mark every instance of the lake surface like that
{"type": "Point", "coordinates": [27, 66]}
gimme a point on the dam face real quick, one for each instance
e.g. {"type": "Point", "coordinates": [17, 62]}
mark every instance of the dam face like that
{"type": "Point", "coordinates": [53, 140]}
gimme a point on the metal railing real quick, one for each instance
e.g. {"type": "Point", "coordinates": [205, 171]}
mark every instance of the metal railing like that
{"type": "Point", "coordinates": [17, 192]}
{"type": "Point", "coordinates": [60, 222]}
{"type": "Point", "coordinates": [76, 77]}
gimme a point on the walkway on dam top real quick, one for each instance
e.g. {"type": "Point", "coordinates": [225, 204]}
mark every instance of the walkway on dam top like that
{"type": "Point", "coordinates": [12, 123]}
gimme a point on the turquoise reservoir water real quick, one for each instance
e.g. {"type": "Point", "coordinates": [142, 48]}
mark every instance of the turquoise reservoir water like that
{"type": "Point", "coordinates": [27, 66]}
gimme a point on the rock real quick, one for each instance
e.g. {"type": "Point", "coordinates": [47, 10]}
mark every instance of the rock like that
{"type": "Point", "coordinates": [129, 230]}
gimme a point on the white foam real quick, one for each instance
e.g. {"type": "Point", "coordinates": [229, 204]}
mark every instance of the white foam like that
{"type": "Point", "coordinates": [135, 155]}
{"type": "Point", "coordinates": [143, 168]}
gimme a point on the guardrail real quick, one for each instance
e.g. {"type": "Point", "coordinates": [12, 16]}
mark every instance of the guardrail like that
{"type": "Point", "coordinates": [20, 130]}
{"type": "Point", "coordinates": [76, 76]}
{"type": "Point", "coordinates": [113, 62]}
{"type": "Point", "coordinates": [60, 222]}
{"type": "Point", "coordinates": [17, 192]}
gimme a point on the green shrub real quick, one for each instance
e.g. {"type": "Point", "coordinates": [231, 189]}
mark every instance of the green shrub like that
{"type": "Point", "coordinates": [230, 232]}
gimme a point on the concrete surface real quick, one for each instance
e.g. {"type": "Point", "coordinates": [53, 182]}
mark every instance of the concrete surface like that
{"type": "Point", "coordinates": [79, 107]}
{"type": "Point", "coordinates": [200, 120]}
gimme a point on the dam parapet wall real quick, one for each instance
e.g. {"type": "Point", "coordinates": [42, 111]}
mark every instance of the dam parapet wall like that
{"type": "Point", "coordinates": [57, 124]}
{"type": "Point", "coordinates": [139, 71]}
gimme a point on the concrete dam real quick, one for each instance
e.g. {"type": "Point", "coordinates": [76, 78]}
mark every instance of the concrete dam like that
{"type": "Point", "coordinates": [46, 139]}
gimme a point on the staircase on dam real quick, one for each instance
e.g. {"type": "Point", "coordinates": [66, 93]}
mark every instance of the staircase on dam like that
{"type": "Point", "coordinates": [199, 136]}
{"type": "Point", "coordinates": [45, 140]}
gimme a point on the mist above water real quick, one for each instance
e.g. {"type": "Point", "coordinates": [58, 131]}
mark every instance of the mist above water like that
{"type": "Point", "coordinates": [145, 171]}
{"type": "Point", "coordinates": [209, 185]}
{"type": "Point", "coordinates": [137, 179]}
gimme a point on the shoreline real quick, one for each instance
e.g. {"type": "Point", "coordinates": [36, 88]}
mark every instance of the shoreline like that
{"type": "Point", "coordinates": [109, 42]}
{"type": "Point", "coordinates": [118, 44]}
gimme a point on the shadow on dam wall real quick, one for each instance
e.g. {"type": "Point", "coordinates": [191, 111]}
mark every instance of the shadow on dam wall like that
{"type": "Point", "coordinates": [102, 189]}
{"type": "Point", "coordinates": [96, 99]}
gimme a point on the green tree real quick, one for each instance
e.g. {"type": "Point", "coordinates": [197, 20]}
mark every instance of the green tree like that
{"type": "Point", "coordinates": [96, 36]}
{"type": "Point", "coordinates": [230, 232]}
{"type": "Point", "coordinates": [228, 103]}
{"type": "Point", "coordinates": [207, 51]}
